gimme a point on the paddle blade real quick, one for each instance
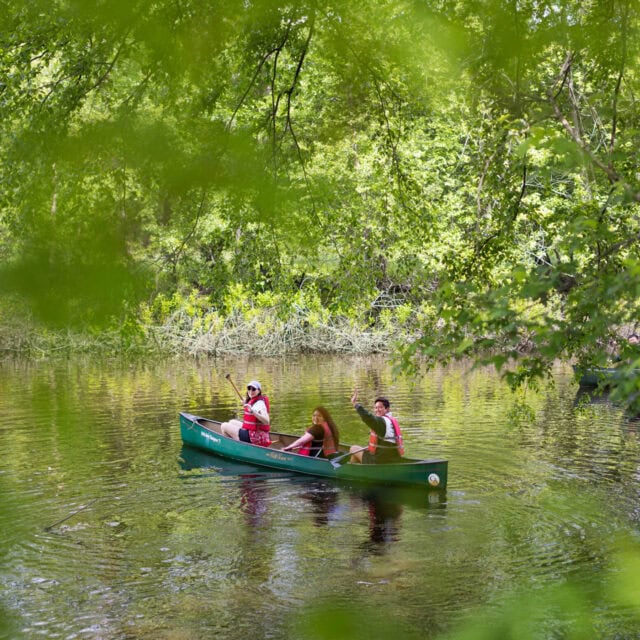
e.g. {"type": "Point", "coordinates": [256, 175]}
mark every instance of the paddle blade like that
{"type": "Point", "coordinates": [336, 463]}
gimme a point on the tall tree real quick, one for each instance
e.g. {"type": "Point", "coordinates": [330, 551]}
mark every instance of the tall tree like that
{"type": "Point", "coordinates": [477, 160]}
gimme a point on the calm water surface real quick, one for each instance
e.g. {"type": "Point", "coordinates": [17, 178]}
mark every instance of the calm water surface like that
{"type": "Point", "coordinates": [109, 528]}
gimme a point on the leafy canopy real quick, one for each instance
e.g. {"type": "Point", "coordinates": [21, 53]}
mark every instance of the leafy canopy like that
{"type": "Point", "coordinates": [474, 161]}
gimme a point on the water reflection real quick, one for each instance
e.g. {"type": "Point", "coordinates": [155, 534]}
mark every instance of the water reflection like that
{"type": "Point", "coordinates": [323, 499]}
{"type": "Point", "coordinates": [591, 396]}
{"type": "Point", "coordinates": [383, 506]}
{"type": "Point", "coordinates": [322, 494]}
{"type": "Point", "coordinates": [253, 500]}
{"type": "Point", "coordinates": [191, 459]}
{"type": "Point", "coordinates": [254, 493]}
{"type": "Point", "coordinates": [213, 548]}
{"type": "Point", "coordinates": [384, 521]}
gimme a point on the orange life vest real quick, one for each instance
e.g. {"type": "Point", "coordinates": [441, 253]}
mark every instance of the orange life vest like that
{"type": "Point", "coordinates": [249, 421]}
{"type": "Point", "coordinates": [373, 437]}
{"type": "Point", "coordinates": [328, 444]}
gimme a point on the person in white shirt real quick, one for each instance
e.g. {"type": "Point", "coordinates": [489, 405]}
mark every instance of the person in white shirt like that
{"type": "Point", "coordinates": [254, 427]}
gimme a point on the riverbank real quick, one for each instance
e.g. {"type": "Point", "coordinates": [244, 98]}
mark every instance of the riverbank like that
{"type": "Point", "coordinates": [207, 334]}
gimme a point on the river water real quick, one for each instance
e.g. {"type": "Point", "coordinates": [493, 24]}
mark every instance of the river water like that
{"type": "Point", "coordinates": [110, 528]}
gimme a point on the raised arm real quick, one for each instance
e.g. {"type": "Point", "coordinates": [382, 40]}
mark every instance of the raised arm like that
{"type": "Point", "coordinates": [372, 421]}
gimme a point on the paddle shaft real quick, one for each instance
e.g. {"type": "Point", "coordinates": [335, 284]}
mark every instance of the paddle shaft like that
{"type": "Point", "coordinates": [228, 377]}
{"type": "Point", "coordinates": [337, 459]}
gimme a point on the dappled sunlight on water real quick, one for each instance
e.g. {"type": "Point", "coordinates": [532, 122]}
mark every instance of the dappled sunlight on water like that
{"type": "Point", "coordinates": [110, 527]}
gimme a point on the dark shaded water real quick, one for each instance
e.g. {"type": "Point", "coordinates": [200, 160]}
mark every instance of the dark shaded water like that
{"type": "Point", "coordinates": [109, 528]}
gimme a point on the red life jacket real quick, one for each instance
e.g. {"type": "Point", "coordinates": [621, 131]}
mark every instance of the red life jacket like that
{"type": "Point", "coordinates": [250, 422]}
{"type": "Point", "coordinates": [373, 437]}
{"type": "Point", "coordinates": [328, 444]}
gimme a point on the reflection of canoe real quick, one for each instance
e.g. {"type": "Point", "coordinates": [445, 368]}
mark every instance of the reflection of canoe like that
{"type": "Point", "coordinates": [206, 435]}
{"type": "Point", "coordinates": [601, 376]}
{"type": "Point", "coordinates": [192, 459]}
{"type": "Point", "coordinates": [314, 488]}
{"type": "Point", "coordinates": [598, 376]}
{"type": "Point", "coordinates": [590, 395]}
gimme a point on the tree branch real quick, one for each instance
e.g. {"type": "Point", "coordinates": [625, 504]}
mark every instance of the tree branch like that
{"type": "Point", "coordinates": [616, 93]}
{"type": "Point", "coordinates": [176, 254]}
{"type": "Point", "coordinates": [296, 75]}
{"type": "Point", "coordinates": [575, 135]}
{"type": "Point", "coordinates": [253, 80]}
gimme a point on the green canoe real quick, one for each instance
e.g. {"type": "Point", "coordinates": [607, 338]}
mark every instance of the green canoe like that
{"type": "Point", "coordinates": [205, 434]}
{"type": "Point", "coordinates": [600, 376]}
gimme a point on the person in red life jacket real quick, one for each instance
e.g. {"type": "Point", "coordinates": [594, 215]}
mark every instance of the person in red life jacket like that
{"type": "Point", "coordinates": [321, 439]}
{"type": "Point", "coordinates": [385, 436]}
{"type": "Point", "coordinates": [254, 427]}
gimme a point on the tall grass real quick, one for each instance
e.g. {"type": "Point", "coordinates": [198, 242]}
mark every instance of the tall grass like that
{"type": "Point", "coordinates": [182, 333]}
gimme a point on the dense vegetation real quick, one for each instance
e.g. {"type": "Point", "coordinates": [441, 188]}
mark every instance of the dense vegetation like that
{"type": "Point", "coordinates": [462, 174]}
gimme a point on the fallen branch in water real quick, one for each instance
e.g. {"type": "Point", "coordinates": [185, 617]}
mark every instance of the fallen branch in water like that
{"type": "Point", "coordinates": [82, 508]}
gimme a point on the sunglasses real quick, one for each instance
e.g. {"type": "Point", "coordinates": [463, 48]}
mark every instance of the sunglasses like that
{"type": "Point", "coordinates": [251, 389]}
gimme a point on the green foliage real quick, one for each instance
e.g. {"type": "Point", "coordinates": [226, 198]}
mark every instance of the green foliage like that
{"type": "Point", "coordinates": [567, 609]}
{"type": "Point", "coordinates": [469, 167]}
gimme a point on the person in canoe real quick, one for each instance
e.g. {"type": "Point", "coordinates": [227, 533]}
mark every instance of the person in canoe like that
{"type": "Point", "coordinates": [321, 439]}
{"type": "Point", "coordinates": [254, 427]}
{"type": "Point", "coordinates": [632, 348]}
{"type": "Point", "coordinates": [385, 436]}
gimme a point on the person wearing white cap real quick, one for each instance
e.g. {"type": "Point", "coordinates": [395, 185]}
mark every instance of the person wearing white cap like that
{"type": "Point", "coordinates": [254, 427]}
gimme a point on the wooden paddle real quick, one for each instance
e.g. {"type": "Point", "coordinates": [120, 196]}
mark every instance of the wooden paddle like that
{"type": "Point", "coordinates": [228, 377]}
{"type": "Point", "coordinates": [336, 461]}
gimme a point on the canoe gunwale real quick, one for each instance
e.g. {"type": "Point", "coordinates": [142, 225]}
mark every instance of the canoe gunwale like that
{"type": "Point", "coordinates": [343, 448]}
{"type": "Point", "coordinates": [601, 376]}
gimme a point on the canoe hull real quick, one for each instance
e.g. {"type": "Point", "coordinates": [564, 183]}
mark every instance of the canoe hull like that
{"type": "Point", "coordinates": [602, 376]}
{"type": "Point", "coordinates": [204, 434]}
